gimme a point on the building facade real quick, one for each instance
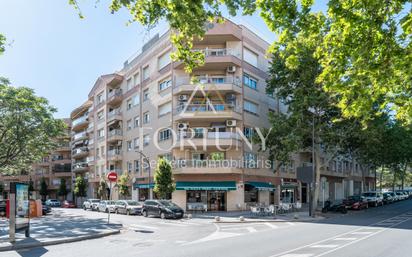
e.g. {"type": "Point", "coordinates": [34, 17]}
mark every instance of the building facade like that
{"type": "Point", "coordinates": [202, 122]}
{"type": "Point", "coordinates": [52, 168]}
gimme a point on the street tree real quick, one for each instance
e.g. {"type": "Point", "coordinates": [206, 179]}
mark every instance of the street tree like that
{"type": "Point", "coordinates": [43, 188]}
{"type": "Point", "coordinates": [365, 53]}
{"type": "Point", "coordinates": [102, 189]}
{"type": "Point", "coordinates": [62, 189]}
{"type": "Point", "coordinates": [27, 128]}
{"type": "Point", "coordinates": [80, 187]}
{"type": "Point", "coordinates": [164, 185]}
{"type": "Point", "coordinates": [123, 185]}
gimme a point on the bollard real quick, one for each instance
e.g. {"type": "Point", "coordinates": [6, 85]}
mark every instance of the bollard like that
{"type": "Point", "coordinates": [241, 218]}
{"type": "Point", "coordinates": [189, 216]}
{"type": "Point", "coordinates": [217, 218]}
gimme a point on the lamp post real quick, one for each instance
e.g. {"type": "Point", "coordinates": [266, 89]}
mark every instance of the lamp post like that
{"type": "Point", "coordinates": [150, 175]}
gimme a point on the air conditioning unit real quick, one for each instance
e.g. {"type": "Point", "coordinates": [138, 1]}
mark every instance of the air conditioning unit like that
{"type": "Point", "coordinates": [183, 98]}
{"type": "Point", "coordinates": [231, 69]}
{"type": "Point", "coordinates": [182, 126]}
{"type": "Point", "coordinates": [231, 123]}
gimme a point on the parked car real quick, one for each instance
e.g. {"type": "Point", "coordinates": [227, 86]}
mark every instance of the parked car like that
{"type": "Point", "coordinates": [401, 195]}
{"type": "Point", "coordinates": [53, 203]}
{"type": "Point", "coordinates": [337, 207]}
{"type": "Point", "coordinates": [162, 208]}
{"type": "Point", "coordinates": [128, 207]}
{"type": "Point", "coordinates": [388, 198]}
{"type": "Point", "coordinates": [68, 204]}
{"type": "Point", "coordinates": [395, 197]}
{"type": "Point", "coordinates": [106, 206]}
{"type": "Point", "coordinates": [374, 198]}
{"type": "Point", "coordinates": [45, 209]}
{"type": "Point", "coordinates": [90, 204]}
{"type": "Point", "coordinates": [355, 202]}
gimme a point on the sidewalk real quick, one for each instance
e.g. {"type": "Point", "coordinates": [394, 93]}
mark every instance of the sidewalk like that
{"type": "Point", "coordinates": [57, 228]}
{"type": "Point", "coordinates": [234, 217]}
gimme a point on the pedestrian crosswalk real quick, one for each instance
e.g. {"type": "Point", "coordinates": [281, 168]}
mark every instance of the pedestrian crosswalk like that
{"type": "Point", "coordinates": [156, 224]}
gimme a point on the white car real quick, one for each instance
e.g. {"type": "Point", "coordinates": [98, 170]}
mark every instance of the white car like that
{"type": "Point", "coordinates": [106, 206]}
{"type": "Point", "coordinates": [373, 198]}
{"type": "Point", "coordinates": [91, 204]}
{"type": "Point", "coordinates": [401, 195]}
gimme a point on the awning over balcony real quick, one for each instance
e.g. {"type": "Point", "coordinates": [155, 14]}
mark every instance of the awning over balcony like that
{"type": "Point", "coordinates": [206, 185]}
{"type": "Point", "coordinates": [261, 185]}
{"type": "Point", "coordinates": [142, 186]}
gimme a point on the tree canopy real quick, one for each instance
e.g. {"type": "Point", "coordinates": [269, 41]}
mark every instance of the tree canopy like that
{"type": "Point", "coordinates": [365, 52]}
{"type": "Point", "coordinates": [163, 179]}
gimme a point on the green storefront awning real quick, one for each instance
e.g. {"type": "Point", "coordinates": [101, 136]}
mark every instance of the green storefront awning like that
{"type": "Point", "coordinates": [261, 185]}
{"type": "Point", "coordinates": [142, 186]}
{"type": "Point", "coordinates": [206, 185]}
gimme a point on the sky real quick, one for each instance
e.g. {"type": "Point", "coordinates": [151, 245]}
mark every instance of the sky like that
{"type": "Point", "coordinates": [61, 56]}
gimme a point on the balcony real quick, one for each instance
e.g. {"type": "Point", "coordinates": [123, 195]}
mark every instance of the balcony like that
{"type": "Point", "coordinates": [79, 136]}
{"type": "Point", "coordinates": [207, 167]}
{"type": "Point", "coordinates": [114, 135]}
{"type": "Point", "coordinates": [80, 152]}
{"type": "Point", "coordinates": [62, 168]}
{"type": "Point", "coordinates": [90, 128]}
{"type": "Point", "coordinates": [224, 84]}
{"type": "Point", "coordinates": [90, 160]}
{"type": "Point", "coordinates": [113, 116]}
{"type": "Point", "coordinates": [80, 167]}
{"type": "Point", "coordinates": [208, 138]}
{"type": "Point", "coordinates": [60, 159]}
{"type": "Point", "coordinates": [217, 59]}
{"type": "Point", "coordinates": [114, 155]}
{"type": "Point", "coordinates": [63, 147]}
{"type": "Point", "coordinates": [216, 112]}
{"type": "Point", "coordinates": [115, 96]}
{"type": "Point", "coordinates": [80, 123]}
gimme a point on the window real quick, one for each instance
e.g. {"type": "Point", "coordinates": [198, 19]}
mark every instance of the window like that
{"type": "Point", "coordinates": [136, 122]}
{"type": "Point", "coordinates": [146, 140]}
{"type": "Point", "coordinates": [129, 124]}
{"type": "Point", "coordinates": [248, 132]}
{"type": "Point", "coordinates": [165, 84]}
{"type": "Point", "coordinates": [164, 60]}
{"type": "Point", "coordinates": [146, 118]}
{"type": "Point", "coordinates": [164, 134]}
{"type": "Point", "coordinates": [99, 98]}
{"type": "Point", "coordinates": [249, 81]}
{"type": "Point", "coordinates": [135, 100]}
{"type": "Point", "coordinates": [129, 145]}
{"type": "Point", "coordinates": [100, 133]}
{"type": "Point", "coordinates": [250, 160]}
{"type": "Point", "coordinates": [250, 57]}
{"type": "Point", "coordinates": [146, 94]}
{"type": "Point", "coordinates": [102, 150]}
{"type": "Point", "coordinates": [136, 143]}
{"type": "Point", "coordinates": [136, 166]}
{"type": "Point", "coordinates": [129, 104]}
{"type": "Point", "coordinates": [165, 109]}
{"type": "Point", "coordinates": [136, 79]}
{"type": "Point", "coordinates": [129, 84]}
{"type": "Point", "coordinates": [250, 107]}
{"type": "Point", "coordinates": [129, 167]}
{"type": "Point", "coordinates": [100, 115]}
{"type": "Point", "coordinates": [146, 73]}
{"type": "Point", "coordinates": [166, 156]}
{"type": "Point", "coordinates": [97, 153]}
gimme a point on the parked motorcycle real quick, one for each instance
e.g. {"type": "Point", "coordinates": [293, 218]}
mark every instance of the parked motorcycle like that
{"type": "Point", "coordinates": [339, 207]}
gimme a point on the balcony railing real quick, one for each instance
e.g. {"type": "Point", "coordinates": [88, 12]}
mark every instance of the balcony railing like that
{"type": "Point", "coordinates": [90, 159]}
{"type": "Point", "coordinates": [80, 165]}
{"type": "Point", "coordinates": [216, 52]}
{"type": "Point", "coordinates": [80, 135]}
{"type": "Point", "coordinates": [209, 80]}
{"type": "Point", "coordinates": [115, 132]}
{"type": "Point", "coordinates": [80, 150]}
{"type": "Point", "coordinates": [62, 167]}
{"type": "Point", "coordinates": [114, 93]}
{"type": "Point", "coordinates": [114, 113]}
{"type": "Point", "coordinates": [207, 108]}
{"type": "Point", "coordinates": [80, 120]}
{"type": "Point", "coordinates": [114, 152]}
{"type": "Point", "coordinates": [208, 135]}
{"type": "Point", "coordinates": [206, 164]}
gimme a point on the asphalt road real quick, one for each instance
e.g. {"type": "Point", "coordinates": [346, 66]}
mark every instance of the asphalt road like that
{"type": "Point", "coordinates": [382, 231]}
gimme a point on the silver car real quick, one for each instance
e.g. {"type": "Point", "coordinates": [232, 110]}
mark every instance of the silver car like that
{"type": "Point", "coordinates": [91, 204]}
{"type": "Point", "coordinates": [106, 206]}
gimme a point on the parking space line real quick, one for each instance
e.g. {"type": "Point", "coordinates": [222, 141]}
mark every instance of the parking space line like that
{"type": "Point", "coordinates": [345, 239]}
{"type": "Point", "coordinates": [324, 246]}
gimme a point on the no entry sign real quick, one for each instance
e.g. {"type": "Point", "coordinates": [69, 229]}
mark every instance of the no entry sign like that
{"type": "Point", "coordinates": [112, 176]}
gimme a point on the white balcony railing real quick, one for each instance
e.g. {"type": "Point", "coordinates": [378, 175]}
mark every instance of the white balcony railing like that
{"type": "Point", "coordinates": [217, 80]}
{"type": "Point", "coordinates": [114, 93]}
{"type": "Point", "coordinates": [115, 132]}
{"type": "Point", "coordinates": [80, 120]}
{"type": "Point", "coordinates": [79, 135]}
{"type": "Point", "coordinates": [207, 134]}
{"type": "Point", "coordinates": [212, 108]}
{"type": "Point", "coordinates": [114, 152]}
{"type": "Point", "coordinates": [114, 113]}
{"type": "Point", "coordinates": [219, 52]}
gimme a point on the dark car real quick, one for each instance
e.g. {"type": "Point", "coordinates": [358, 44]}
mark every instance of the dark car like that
{"type": "Point", "coordinates": [45, 209]}
{"type": "Point", "coordinates": [355, 202]}
{"type": "Point", "coordinates": [388, 198]}
{"type": "Point", "coordinates": [162, 208]}
{"type": "Point", "coordinates": [128, 207]}
{"type": "Point", "coordinates": [2, 208]}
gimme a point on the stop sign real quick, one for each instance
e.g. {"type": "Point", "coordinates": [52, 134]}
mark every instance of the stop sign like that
{"type": "Point", "coordinates": [112, 176]}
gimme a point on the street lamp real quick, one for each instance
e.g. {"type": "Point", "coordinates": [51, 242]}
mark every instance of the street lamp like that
{"type": "Point", "coordinates": [150, 177]}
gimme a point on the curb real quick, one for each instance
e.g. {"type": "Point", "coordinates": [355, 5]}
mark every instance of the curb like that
{"type": "Point", "coordinates": [56, 242]}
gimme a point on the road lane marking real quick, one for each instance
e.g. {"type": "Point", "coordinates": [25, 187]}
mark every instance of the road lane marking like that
{"type": "Point", "coordinates": [298, 255]}
{"type": "Point", "coordinates": [362, 233]}
{"type": "Point", "coordinates": [251, 229]}
{"type": "Point", "coordinates": [345, 239]}
{"type": "Point", "coordinates": [137, 226]}
{"type": "Point", "coordinates": [324, 246]}
{"type": "Point", "coordinates": [378, 230]}
{"type": "Point", "coordinates": [270, 225]}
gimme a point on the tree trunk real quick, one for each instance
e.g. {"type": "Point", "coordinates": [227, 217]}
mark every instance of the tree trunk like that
{"type": "Point", "coordinates": [394, 181]}
{"type": "Point", "coordinates": [381, 178]}
{"type": "Point", "coordinates": [375, 181]}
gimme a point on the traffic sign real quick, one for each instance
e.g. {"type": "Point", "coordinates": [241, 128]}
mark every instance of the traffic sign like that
{"type": "Point", "coordinates": [112, 176]}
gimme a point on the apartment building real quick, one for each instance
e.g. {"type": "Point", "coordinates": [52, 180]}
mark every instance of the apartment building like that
{"type": "Point", "coordinates": [202, 122]}
{"type": "Point", "coordinates": [53, 168]}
